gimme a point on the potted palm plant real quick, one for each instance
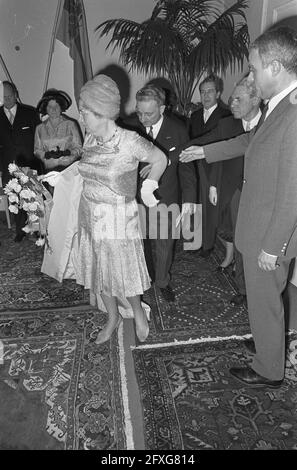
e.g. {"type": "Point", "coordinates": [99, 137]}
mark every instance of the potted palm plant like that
{"type": "Point", "coordinates": [182, 41]}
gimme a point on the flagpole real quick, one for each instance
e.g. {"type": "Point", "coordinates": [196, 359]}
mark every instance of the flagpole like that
{"type": "Point", "coordinates": [51, 49]}
{"type": "Point", "coordinates": [5, 69]}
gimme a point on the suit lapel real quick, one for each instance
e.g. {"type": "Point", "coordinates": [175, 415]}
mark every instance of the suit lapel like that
{"type": "Point", "coordinates": [142, 131]}
{"type": "Point", "coordinates": [4, 118]}
{"type": "Point", "coordinates": [18, 115]}
{"type": "Point", "coordinates": [163, 132]}
{"type": "Point", "coordinates": [200, 124]}
{"type": "Point", "coordinates": [239, 126]}
{"type": "Point", "coordinates": [278, 110]}
{"type": "Point", "coordinates": [211, 119]}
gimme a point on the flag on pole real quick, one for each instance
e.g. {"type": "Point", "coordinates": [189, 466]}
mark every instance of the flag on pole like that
{"type": "Point", "coordinates": [72, 31]}
{"type": "Point", "coordinates": [1, 94]}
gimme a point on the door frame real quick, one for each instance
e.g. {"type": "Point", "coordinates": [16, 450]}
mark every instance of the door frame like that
{"type": "Point", "coordinates": [265, 14]}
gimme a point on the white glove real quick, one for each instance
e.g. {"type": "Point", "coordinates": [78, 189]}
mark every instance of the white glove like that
{"type": "Point", "coordinates": [51, 178]}
{"type": "Point", "coordinates": [213, 195]}
{"type": "Point", "coordinates": [147, 189]}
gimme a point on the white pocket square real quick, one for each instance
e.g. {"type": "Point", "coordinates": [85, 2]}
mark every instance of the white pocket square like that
{"type": "Point", "coordinates": [172, 148]}
{"type": "Point", "coordinates": [26, 127]}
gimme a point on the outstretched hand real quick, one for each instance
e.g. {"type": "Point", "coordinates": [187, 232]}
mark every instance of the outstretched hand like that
{"type": "Point", "coordinates": [191, 153]}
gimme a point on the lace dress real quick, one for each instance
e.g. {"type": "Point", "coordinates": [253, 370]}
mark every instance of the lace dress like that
{"type": "Point", "coordinates": [110, 252]}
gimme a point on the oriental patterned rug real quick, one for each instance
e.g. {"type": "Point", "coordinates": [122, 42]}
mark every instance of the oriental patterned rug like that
{"type": "Point", "coordinates": [191, 402]}
{"type": "Point", "coordinates": [58, 390]}
{"type": "Point", "coordinates": [201, 307]}
{"type": "Point", "coordinates": [22, 286]}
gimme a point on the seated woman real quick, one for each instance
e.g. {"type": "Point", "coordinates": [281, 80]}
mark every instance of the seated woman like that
{"type": "Point", "coordinates": [95, 209]}
{"type": "Point", "coordinates": [58, 139]}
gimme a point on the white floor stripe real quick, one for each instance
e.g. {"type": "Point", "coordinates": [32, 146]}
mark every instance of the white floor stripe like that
{"type": "Point", "coordinates": [210, 339]}
{"type": "Point", "coordinates": [125, 394]}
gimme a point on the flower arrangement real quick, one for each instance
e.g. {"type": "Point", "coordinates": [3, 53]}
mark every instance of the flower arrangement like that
{"type": "Point", "coordinates": [26, 192]}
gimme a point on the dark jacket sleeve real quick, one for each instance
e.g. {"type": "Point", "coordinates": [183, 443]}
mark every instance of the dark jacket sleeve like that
{"type": "Point", "coordinates": [216, 168]}
{"type": "Point", "coordinates": [187, 174]}
{"type": "Point", "coordinates": [227, 149]}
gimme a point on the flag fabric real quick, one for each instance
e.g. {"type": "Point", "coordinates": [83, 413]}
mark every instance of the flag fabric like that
{"type": "Point", "coordinates": [72, 31]}
{"type": "Point", "coordinates": [1, 94]}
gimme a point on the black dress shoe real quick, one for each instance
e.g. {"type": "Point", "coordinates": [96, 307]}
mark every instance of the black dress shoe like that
{"type": "Point", "coordinates": [19, 237]}
{"type": "Point", "coordinates": [238, 299]}
{"type": "Point", "coordinates": [248, 376]}
{"type": "Point", "coordinates": [204, 253]}
{"type": "Point", "coordinates": [223, 269]}
{"type": "Point", "coordinates": [249, 344]}
{"type": "Point", "coordinates": [167, 293]}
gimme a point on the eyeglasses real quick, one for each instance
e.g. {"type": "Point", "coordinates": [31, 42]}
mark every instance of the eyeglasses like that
{"type": "Point", "coordinates": [83, 112]}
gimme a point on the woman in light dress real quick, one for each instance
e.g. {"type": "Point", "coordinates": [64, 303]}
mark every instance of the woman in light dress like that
{"type": "Point", "coordinates": [101, 246]}
{"type": "Point", "coordinates": [58, 141]}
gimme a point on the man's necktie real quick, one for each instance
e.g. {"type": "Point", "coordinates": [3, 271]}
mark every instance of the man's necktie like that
{"type": "Point", "coordinates": [205, 115]}
{"type": "Point", "coordinates": [150, 132]}
{"type": "Point", "coordinates": [262, 118]}
{"type": "Point", "coordinates": [10, 116]}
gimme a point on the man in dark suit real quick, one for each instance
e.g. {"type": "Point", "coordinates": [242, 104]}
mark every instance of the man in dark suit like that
{"type": "Point", "coordinates": [226, 177]}
{"type": "Point", "coordinates": [17, 130]}
{"type": "Point", "coordinates": [177, 184]}
{"type": "Point", "coordinates": [266, 229]}
{"type": "Point", "coordinates": [202, 122]}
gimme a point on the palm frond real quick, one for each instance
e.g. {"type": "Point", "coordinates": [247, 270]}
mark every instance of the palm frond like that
{"type": "Point", "coordinates": [181, 40]}
{"type": "Point", "coordinates": [224, 43]}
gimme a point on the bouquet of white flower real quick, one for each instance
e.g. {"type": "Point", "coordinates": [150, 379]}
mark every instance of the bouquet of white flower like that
{"type": "Point", "coordinates": [26, 192]}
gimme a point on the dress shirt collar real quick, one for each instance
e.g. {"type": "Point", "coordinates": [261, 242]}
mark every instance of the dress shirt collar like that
{"type": "Point", "coordinates": [13, 110]}
{"type": "Point", "coordinates": [253, 122]}
{"type": "Point", "coordinates": [273, 102]}
{"type": "Point", "coordinates": [155, 127]}
{"type": "Point", "coordinates": [208, 112]}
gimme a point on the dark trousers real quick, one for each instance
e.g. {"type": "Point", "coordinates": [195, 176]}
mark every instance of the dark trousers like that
{"type": "Point", "coordinates": [266, 315]}
{"type": "Point", "coordinates": [239, 271]}
{"type": "Point", "coordinates": [159, 243]}
{"type": "Point", "coordinates": [290, 301]}
{"type": "Point", "coordinates": [210, 213]}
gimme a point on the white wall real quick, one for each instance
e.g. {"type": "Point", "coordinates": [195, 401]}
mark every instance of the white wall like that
{"type": "Point", "coordinates": [254, 19]}
{"type": "Point", "coordinates": [98, 11]}
{"type": "Point", "coordinates": [27, 25]}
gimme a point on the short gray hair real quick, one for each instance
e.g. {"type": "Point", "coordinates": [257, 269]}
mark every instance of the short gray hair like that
{"type": "Point", "coordinates": [151, 92]}
{"type": "Point", "coordinates": [250, 87]}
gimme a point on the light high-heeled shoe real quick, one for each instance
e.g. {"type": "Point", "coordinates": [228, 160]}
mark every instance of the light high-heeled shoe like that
{"type": "Point", "coordinates": [147, 310]}
{"type": "Point", "coordinates": [142, 335]}
{"type": "Point", "coordinates": [144, 332]}
{"type": "Point", "coordinates": [102, 336]}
